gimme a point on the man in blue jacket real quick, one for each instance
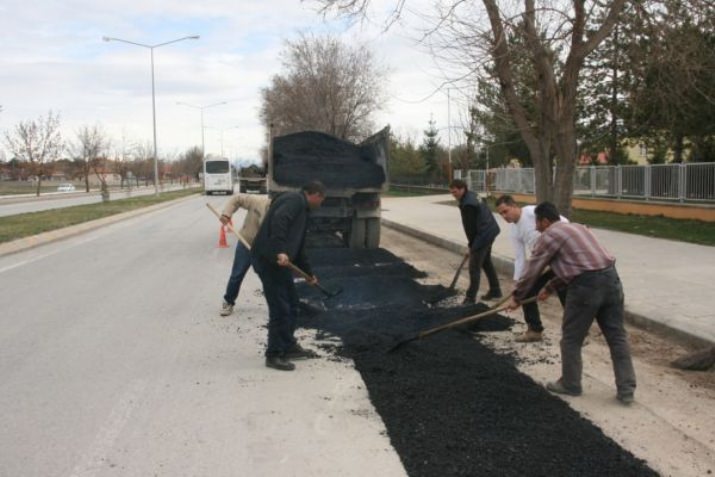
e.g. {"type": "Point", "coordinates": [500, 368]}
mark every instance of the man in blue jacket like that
{"type": "Point", "coordinates": [481, 229]}
{"type": "Point", "coordinates": [279, 242]}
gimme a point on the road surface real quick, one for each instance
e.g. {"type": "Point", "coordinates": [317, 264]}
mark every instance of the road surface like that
{"type": "Point", "coordinates": [115, 362]}
{"type": "Point", "coordinates": [12, 205]}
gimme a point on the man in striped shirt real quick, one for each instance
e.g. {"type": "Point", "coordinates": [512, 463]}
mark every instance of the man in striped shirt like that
{"type": "Point", "coordinates": [586, 269]}
{"type": "Point", "coordinates": [523, 237]}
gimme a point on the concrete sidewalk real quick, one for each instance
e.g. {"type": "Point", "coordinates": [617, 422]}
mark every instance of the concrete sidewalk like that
{"type": "Point", "coordinates": [668, 285]}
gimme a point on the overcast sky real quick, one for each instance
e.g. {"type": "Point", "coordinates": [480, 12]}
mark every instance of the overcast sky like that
{"type": "Point", "coordinates": [53, 58]}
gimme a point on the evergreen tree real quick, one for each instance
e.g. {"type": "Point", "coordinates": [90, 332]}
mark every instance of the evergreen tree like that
{"type": "Point", "coordinates": [430, 150]}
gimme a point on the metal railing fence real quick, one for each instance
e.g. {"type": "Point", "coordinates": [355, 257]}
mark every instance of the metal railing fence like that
{"type": "Point", "coordinates": [687, 182]}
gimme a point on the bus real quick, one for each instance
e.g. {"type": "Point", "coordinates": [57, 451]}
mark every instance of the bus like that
{"type": "Point", "coordinates": [218, 176]}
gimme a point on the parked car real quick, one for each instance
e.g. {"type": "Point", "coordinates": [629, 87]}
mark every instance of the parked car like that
{"type": "Point", "coordinates": [66, 188]}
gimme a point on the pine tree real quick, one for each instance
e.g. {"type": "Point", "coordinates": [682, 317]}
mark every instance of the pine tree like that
{"type": "Point", "coordinates": [430, 150]}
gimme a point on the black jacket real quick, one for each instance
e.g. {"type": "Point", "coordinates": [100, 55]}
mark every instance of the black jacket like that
{"type": "Point", "coordinates": [479, 224]}
{"type": "Point", "coordinates": [283, 230]}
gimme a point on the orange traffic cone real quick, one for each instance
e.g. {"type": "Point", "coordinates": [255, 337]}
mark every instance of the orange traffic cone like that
{"type": "Point", "coordinates": [222, 238]}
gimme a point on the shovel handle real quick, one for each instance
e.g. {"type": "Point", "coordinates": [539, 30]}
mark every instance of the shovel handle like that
{"type": "Point", "coordinates": [229, 226]}
{"type": "Point", "coordinates": [496, 309]}
{"type": "Point", "coordinates": [303, 274]}
{"type": "Point", "coordinates": [459, 270]}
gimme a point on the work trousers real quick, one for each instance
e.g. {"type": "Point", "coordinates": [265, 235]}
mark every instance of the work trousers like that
{"type": "Point", "coordinates": [282, 300]}
{"type": "Point", "coordinates": [599, 295]}
{"type": "Point", "coordinates": [481, 259]}
{"type": "Point", "coordinates": [241, 264]}
{"type": "Point", "coordinates": [532, 316]}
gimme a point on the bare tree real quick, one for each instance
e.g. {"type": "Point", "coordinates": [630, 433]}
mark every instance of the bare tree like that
{"type": "Point", "coordinates": [88, 149]}
{"type": "Point", "coordinates": [553, 38]}
{"type": "Point", "coordinates": [38, 142]}
{"type": "Point", "coordinates": [143, 165]}
{"type": "Point", "coordinates": [327, 86]}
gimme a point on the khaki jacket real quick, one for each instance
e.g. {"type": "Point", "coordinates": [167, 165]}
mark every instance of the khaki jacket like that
{"type": "Point", "coordinates": [256, 207]}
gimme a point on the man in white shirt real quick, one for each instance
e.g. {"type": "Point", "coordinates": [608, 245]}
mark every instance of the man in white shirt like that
{"type": "Point", "coordinates": [523, 237]}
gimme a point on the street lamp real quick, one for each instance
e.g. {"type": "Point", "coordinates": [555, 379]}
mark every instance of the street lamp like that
{"type": "Point", "coordinates": [201, 108]}
{"type": "Point", "coordinates": [153, 100]}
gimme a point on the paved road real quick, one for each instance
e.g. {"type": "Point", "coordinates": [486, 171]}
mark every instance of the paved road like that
{"type": "Point", "coordinates": [114, 362]}
{"type": "Point", "coordinates": [12, 205]}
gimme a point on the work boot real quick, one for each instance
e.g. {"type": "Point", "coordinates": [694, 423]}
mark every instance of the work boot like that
{"type": "Point", "coordinates": [625, 399]}
{"type": "Point", "coordinates": [558, 388]}
{"type": "Point", "coordinates": [226, 308]}
{"type": "Point", "coordinates": [492, 295]}
{"type": "Point", "coordinates": [298, 352]}
{"type": "Point", "coordinates": [280, 363]}
{"type": "Point", "coordinates": [529, 336]}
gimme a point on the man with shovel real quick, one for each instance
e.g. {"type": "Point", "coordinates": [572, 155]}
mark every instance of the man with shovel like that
{"type": "Point", "coordinates": [523, 237]}
{"type": "Point", "coordinates": [256, 207]}
{"type": "Point", "coordinates": [280, 243]}
{"type": "Point", "coordinates": [586, 269]}
{"type": "Point", "coordinates": [481, 229]}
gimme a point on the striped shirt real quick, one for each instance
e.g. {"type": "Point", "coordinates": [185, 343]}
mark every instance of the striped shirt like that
{"type": "Point", "coordinates": [570, 250]}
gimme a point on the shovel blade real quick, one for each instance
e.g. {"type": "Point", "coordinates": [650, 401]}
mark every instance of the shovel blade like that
{"type": "Point", "coordinates": [330, 293]}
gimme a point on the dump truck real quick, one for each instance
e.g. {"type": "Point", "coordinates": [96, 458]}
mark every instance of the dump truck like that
{"type": "Point", "coordinates": [252, 184]}
{"type": "Point", "coordinates": [355, 175]}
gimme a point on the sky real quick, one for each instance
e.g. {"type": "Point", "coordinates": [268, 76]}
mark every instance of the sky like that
{"type": "Point", "coordinates": [53, 58]}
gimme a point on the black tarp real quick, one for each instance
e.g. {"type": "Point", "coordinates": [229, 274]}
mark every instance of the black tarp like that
{"type": "Point", "coordinates": [305, 156]}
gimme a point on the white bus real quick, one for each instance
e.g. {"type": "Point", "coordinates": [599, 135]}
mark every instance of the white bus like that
{"type": "Point", "coordinates": [218, 176]}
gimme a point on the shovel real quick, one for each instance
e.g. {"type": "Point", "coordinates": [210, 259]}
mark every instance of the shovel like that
{"type": "Point", "coordinates": [452, 324]}
{"type": "Point", "coordinates": [308, 278]}
{"type": "Point", "coordinates": [293, 267]}
{"type": "Point", "coordinates": [441, 295]}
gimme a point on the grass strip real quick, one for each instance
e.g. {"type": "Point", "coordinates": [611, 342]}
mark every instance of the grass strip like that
{"type": "Point", "coordinates": [683, 230]}
{"type": "Point", "coordinates": [656, 226]}
{"type": "Point", "coordinates": [25, 225]}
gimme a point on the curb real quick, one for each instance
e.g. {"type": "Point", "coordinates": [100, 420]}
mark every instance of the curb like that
{"type": "Point", "coordinates": [505, 265]}
{"type": "Point", "coordinates": [26, 243]}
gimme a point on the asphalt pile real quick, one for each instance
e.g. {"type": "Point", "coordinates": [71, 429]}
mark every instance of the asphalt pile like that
{"type": "Point", "coordinates": [301, 157]}
{"type": "Point", "coordinates": [451, 406]}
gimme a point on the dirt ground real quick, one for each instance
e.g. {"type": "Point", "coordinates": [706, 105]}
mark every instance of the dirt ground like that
{"type": "Point", "coordinates": [671, 425]}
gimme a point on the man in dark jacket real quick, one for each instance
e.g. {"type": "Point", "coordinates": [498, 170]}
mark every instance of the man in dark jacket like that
{"type": "Point", "coordinates": [279, 242]}
{"type": "Point", "coordinates": [481, 229]}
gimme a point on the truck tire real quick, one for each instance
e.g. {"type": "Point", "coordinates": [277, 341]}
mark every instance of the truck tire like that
{"type": "Point", "coordinates": [372, 232]}
{"type": "Point", "coordinates": [356, 239]}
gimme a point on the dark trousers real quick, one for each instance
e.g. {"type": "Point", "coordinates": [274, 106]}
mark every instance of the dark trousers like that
{"type": "Point", "coordinates": [478, 260]}
{"type": "Point", "coordinates": [596, 295]}
{"type": "Point", "coordinates": [532, 316]}
{"type": "Point", "coordinates": [282, 302]}
{"type": "Point", "coordinates": [241, 264]}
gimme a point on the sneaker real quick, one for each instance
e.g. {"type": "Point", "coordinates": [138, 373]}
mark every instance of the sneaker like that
{"type": "Point", "coordinates": [625, 399]}
{"type": "Point", "coordinates": [469, 301]}
{"type": "Point", "coordinates": [226, 308]}
{"type": "Point", "coordinates": [279, 363]}
{"type": "Point", "coordinates": [558, 388]}
{"type": "Point", "coordinates": [529, 336]}
{"type": "Point", "coordinates": [492, 295]}
{"type": "Point", "coordinates": [298, 352]}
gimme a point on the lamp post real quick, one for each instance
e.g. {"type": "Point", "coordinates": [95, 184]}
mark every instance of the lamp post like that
{"type": "Point", "coordinates": [153, 95]}
{"type": "Point", "coordinates": [201, 108]}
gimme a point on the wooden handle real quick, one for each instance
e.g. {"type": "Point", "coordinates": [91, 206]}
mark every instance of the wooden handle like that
{"type": "Point", "coordinates": [299, 271]}
{"type": "Point", "coordinates": [500, 307]}
{"type": "Point", "coordinates": [229, 226]}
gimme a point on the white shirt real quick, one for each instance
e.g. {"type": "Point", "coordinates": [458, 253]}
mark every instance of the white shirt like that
{"type": "Point", "coordinates": [523, 237]}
